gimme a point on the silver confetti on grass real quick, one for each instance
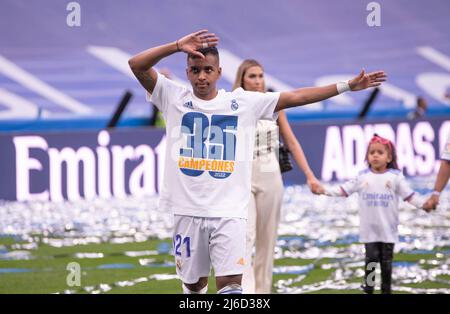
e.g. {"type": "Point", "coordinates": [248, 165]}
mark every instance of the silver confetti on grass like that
{"type": "Point", "coordinates": [131, 219]}
{"type": "Point", "coordinates": [103, 287]}
{"type": "Point", "coordinates": [89, 255]}
{"type": "Point", "coordinates": [324, 227]}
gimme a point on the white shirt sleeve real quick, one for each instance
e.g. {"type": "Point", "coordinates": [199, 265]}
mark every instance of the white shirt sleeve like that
{"type": "Point", "coordinates": [263, 104]}
{"type": "Point", "coordinates": [417, 200]}
{"type": "Point", "coordinates": [165, 93]}
{"type": "Point", "coordinates": [334, 191]}
{"type": "Point", "coordinates": [351, 186]}
{"type": "Point", "coordinates": [345, 189]}
{"type": "Point", "coordinates": [403, 188]}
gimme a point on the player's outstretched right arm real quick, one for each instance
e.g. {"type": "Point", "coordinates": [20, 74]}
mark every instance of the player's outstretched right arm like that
{"type": "Point", "coordinates": [142, 63]}
{"type": "Point", "coordinates": [309, 95]}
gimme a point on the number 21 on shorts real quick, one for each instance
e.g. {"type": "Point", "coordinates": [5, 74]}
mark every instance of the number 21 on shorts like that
{"type": "Point", "coordinates": [179, 242]}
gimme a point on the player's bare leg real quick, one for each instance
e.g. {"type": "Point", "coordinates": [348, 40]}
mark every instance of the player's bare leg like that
{"type": "Point", "coordinates": [200, 287]}
{"type": "Point", "coordinates": [229, 284]}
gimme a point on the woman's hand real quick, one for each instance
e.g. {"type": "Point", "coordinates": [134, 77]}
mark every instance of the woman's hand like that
{"type": "Point", "coordinates": [315, 186]}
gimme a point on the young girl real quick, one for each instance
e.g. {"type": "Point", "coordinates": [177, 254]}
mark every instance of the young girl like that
{"type": "Point", "coordinates": [378, 187]}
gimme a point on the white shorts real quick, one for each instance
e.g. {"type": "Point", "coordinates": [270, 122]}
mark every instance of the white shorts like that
{"type": "Point", "coordinates": [201, 242]}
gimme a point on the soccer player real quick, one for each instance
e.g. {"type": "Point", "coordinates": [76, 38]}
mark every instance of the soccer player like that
{"type": "Point", "coordinates": [210, 137]}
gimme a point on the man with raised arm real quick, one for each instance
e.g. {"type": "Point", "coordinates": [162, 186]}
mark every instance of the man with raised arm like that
{"type": "Point", "coordinates": [207, 176]}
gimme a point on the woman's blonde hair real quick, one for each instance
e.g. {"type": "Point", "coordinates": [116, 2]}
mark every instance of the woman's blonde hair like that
{"type": "Point", "coordinates": [245, 65]}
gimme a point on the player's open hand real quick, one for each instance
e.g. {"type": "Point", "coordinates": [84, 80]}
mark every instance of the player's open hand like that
{"type": "Point", "coordinates": [363, 80]}
{"type": "Point", "coordinates": [201, 39]}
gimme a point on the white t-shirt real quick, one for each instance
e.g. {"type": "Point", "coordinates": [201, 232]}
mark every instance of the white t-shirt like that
{"type": "Point", "coordinates": [446, 153]}
{"type": "Point", "coordinates": [209, 148]}
{"type": "Point", "coordinates": [378, 195]}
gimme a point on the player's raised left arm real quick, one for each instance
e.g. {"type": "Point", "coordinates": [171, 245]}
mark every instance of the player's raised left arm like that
{"type": "Point", "coordinates": [308, 95]}
{"type": "Point", "coordinates": [142, 64]}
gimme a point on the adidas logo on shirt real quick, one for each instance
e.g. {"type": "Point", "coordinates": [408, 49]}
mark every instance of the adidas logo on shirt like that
{"type": "Point", "coordinates": [188, 105]}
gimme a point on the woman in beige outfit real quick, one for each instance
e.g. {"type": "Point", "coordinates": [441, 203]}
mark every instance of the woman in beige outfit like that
{"type": "Point", "coordinates": [267, 185]}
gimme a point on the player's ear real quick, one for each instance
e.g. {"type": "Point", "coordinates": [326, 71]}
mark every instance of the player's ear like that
{"type": "Point", "coordinates": [220, 71]}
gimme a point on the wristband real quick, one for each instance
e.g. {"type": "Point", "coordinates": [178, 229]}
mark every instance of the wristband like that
{"type": "Point", "coordinates": [342, 87]}
{"type": "Point", "coordinates": [178, 48]}
{"type": "Point", "coordinates": [436, 193]}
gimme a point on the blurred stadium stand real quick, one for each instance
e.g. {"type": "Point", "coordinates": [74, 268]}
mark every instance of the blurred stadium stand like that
{"type": "Point", "coordinates": [53, 76]}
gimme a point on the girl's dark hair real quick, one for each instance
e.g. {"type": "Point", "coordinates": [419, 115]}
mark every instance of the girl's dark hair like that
{"type": "Point", "coordinates": [390, 148]}
{"type": "Point", "coordinates": [393, 164]}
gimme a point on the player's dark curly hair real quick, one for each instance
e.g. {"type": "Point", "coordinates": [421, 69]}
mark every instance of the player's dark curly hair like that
{"type": "Point", "coordinates": [205, 51]}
